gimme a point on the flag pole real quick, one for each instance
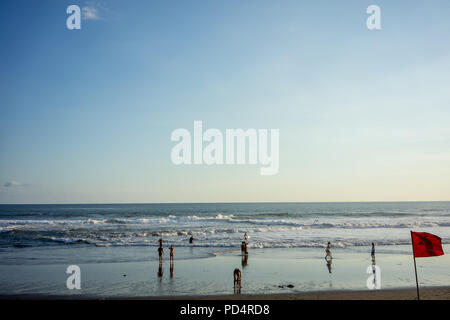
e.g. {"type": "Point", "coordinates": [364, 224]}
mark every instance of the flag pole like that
{"type": "Point", "coordinates": [415, 268]}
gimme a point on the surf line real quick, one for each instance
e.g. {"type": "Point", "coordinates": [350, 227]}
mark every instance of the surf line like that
{"type": "Point", "coordinates": [235, 148]}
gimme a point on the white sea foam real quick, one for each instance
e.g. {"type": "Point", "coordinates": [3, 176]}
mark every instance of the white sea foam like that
{"type": "Point", "coordinates": [223, 229]}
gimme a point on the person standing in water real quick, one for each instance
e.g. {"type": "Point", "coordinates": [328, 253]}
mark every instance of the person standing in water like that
{"type": "Point", "coordinates": [373, 252]}
{"type": "Point", "coordinates": [160, 252]}
{"type": "Point", "coordinates": [244, 247]}
{"type": "Point", "coordinates": [328, 251]}
{"type": "Point", "coordinates": [191, 239]}
{"type": "Point", "coordinates": [171, 253]}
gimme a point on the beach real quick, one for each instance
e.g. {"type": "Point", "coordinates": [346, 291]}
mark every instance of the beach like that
{"type": "Point", "coordinates": [224, 150]}
{"type": "Point", "coordinates": [300, 273]}
{"type": "Point", "coordinates": [438, 293]}
{"type": "Point", "coordinates": [117, 252]}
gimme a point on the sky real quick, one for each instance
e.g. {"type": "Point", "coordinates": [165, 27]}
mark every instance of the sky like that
{"type": "Point", "coordinates": [86, 115]}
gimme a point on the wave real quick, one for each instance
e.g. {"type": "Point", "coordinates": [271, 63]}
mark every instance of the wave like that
{"type": "Point", "coordinates": [223, 230]}
{"type": "Point", "coordinates": [190, 222]}
{"type": "Point", "coordinates": [66, 240]}
{"type": "Point", "coordinates": [227, 246]}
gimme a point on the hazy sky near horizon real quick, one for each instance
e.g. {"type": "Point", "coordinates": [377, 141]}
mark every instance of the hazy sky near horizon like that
{"type": "Point", "coordinates": [86, 115]}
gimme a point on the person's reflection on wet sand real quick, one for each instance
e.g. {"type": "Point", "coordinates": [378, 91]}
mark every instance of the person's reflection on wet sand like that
{"type": "Point", "coordinates": [171, 269]}
{"type": "Point", "coordinates": [160, 270]}
{"type": "Point", "coordinates": [328, 256]}
{"type": "Point", "coordinates": [329, 262]}
{"type": "Point", "coordinates": [244, 260]}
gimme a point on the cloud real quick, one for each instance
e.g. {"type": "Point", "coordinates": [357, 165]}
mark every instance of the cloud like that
{"type": "Point", "coordinates": [13, 184]}
{"type": "Point", "coordinates": [89, 13]}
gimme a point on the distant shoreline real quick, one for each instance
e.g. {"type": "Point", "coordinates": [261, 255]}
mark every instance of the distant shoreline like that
{"type": "Point", "coordinates": [216, 202]}
{"type": "Point", "coordinates": [428, 293]}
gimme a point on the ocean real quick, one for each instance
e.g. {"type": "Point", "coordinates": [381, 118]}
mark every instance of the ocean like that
{"type": "Point", "coordinates": [220, 226]}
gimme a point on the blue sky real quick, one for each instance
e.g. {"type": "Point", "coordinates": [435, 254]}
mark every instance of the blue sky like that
{"type": "Point", "coordinates": [86, 115]}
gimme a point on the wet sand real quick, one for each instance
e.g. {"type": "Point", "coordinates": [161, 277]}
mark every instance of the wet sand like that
{"type": "Point", "coordinates": [296, 273]}
{"type": "Point", "coordinates": [439, 293]}
{"type": "Point", "coordinates": [436, 293]}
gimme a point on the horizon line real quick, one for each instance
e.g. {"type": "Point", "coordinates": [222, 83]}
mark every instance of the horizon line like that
{"type": "Point", "coordinates": [226, 202]}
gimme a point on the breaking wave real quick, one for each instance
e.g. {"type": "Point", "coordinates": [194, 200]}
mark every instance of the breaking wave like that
{"type": "Point", "coordinates": [221, 225]}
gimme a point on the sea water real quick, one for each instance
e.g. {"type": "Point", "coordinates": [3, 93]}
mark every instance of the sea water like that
{"type": "Point", "coordinates": [115, 246]}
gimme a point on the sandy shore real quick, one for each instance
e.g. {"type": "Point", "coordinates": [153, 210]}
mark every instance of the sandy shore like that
{"type": "Point", "coordinates": [439, 293]}
{"type": "Point", "coordinates": [435, 293]}
{"type": "Point", "coordinates": [294, 273]}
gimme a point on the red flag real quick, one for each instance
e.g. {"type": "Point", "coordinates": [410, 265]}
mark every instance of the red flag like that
{"type": "Point", "coordinates": [426, 245]}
